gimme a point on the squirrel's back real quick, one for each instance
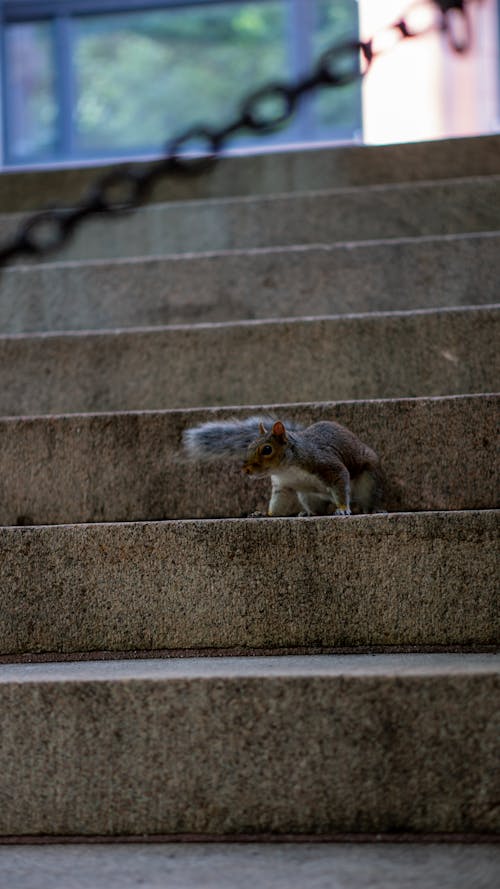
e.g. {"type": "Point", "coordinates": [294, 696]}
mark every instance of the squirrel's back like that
{"type": "Point", "coordinates": [329, 439]}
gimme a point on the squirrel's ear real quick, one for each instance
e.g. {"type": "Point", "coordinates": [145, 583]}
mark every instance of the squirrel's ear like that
{"type": "Point", "coordinates": [279, 430]}
{"type": "Point", "coordinates": [261, 428]}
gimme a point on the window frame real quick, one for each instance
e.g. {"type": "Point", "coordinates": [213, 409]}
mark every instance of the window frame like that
{"type": "Point", "coordinates": [31, 10]}
{"type": "Point", "coordinates": [299, 32]}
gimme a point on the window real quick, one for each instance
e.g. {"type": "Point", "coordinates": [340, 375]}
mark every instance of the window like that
{"type": "Point", "coordinates": [88, 80]}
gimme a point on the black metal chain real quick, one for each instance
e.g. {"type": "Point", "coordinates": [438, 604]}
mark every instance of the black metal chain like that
{"type": "Point", "coordinates": [263, 111]}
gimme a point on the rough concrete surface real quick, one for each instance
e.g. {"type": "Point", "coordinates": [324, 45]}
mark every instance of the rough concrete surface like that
{"type": "Point", "coordinates": [346, 214]}
{"type": "Point", "coordinates": [399, 580]}
{"type": "Point", "coordinates": [268, 171]}
{"type": "Point", "coordinates": [407, 273]}
{"type": "Point", "coordinates": [276, 745]}
{"type": "Point", "coordinates": [401, 744]}
{"type": "Point", "coordinates": [436, 453]}
{"type": "Point", "coordinates": [391, 355]}
{"type": "Point", "coordinates": [239, 866]}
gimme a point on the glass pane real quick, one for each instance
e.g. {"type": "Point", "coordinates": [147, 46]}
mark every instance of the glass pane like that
{"type": "Point", "coordinates": [337, 111]}
{"type": "Point", "coordinates": [142, 77]}
{"type": "Point", "coordinates": [32, 107]}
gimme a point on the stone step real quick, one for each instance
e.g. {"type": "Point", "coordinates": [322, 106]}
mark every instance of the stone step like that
{"type": "Point", "coordinates": [448, 206]}
{"type": "Point", "coordinates": [395, 354]}
{"type": "Point", "coordinates": [270, 171]}
{"type": "Point", "coordinates": [405, 273]}
{"type": "Point", "coordinates": [437, 453]}
{"type": "Point", "coordinates": [268, 865]}
{"type": "Point", "coordinates": [251, 585]}
{"type": "Point", "coordinates": [289, 745]}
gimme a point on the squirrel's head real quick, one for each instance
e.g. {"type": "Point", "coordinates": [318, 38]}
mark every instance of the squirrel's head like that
{"type": "Point", "coordinates": [266, 452]}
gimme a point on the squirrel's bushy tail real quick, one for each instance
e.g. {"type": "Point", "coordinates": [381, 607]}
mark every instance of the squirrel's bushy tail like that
{"type": "Point", "coordinates": [225, 438]}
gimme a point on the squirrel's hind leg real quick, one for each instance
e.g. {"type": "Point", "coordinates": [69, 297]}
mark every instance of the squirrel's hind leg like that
{"type": "Point", "coordinates": [366, 492]}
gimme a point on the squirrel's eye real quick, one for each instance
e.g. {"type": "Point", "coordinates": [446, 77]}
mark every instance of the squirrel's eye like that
{"type": "Point", "coordinates": [266, 450]}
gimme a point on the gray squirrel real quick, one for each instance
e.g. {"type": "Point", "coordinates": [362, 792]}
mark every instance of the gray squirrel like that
{"type": "Point", "coordinates": [315, 470]}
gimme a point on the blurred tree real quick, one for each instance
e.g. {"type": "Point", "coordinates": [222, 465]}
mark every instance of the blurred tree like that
{"type": "Point", "coordinates": [141, 77]}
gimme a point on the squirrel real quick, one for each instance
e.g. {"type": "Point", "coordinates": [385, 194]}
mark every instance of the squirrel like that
{"type": "Point", "coordinates": [315, 470]}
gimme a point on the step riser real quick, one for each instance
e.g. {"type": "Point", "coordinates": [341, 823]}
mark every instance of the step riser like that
{"type": "Point", "coordinates": [428, 273]}
{"type": "Point", "coordinates": [468, 205]}
{"type": "Point", "coordinates": [246, 754]}
{"type": "Point", "coordinates": [428, 353]}
{"type": "Point", "coordinates": [436, 454]}
{"type": "Point", "coordinates": [280, 171]}
{"type": "Point", "coordinates": [398, 580]}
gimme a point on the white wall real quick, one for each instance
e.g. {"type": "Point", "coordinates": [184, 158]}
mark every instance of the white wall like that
{"type": "Point", "coordinates": [423, 90]}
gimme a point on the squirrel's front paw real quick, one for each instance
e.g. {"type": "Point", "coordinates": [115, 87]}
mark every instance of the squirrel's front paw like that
{"type": "Point", "coordinates": [343, 510]}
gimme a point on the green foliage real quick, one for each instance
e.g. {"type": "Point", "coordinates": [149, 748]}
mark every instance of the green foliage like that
{"type": "Point", "coordinates": [144, 77]}
{"type": "Point", "coordinates": [336, 22]}
{"type": "Point", "coordinates": [141, 77]}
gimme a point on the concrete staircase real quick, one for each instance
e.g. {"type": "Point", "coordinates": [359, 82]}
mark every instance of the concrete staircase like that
{"type": "Point", "coordinates": [173, 669]}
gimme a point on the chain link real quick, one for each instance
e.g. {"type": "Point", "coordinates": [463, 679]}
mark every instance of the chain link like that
{"type": "Point", "coordinates": [263, 111]}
